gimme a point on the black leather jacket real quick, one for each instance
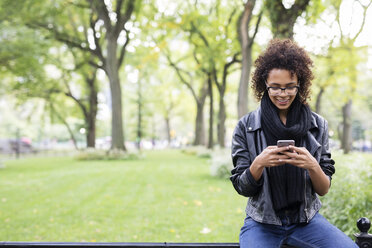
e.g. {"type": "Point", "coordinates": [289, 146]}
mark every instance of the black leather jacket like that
{"type": "Point", "coordinates": [249, 141]}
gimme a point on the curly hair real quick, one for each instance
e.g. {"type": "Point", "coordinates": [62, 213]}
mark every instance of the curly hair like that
{"type": "Point", "coordinates": [283, 54]}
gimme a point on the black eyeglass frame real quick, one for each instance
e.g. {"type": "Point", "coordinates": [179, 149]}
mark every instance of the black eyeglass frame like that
{"type": "Point", "coordinates": [282, 89]}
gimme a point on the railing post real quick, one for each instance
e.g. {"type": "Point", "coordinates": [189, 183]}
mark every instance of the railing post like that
{"type": "Point", "coordinates": [363, 239]}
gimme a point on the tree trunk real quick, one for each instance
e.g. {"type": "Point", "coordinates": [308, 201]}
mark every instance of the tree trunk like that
{"type": "Point", "coordinates": [153, 132]}
{"type": "Point", "coordinates": [246, 47]}
{"type": "Point", "coordinates": [139, 115]}
{"type": "Point", "coordinates": [244, 83]}
{"type": "Point", "coordinates": [91, 133]}
{"type": "Point", "coordinates": [199, 124]}
{"type": "Point", "coordinates": [211, 113]}
{"type": "Point", "coordinates": [168, 129]}
{"type": "Point", "coordinates": [282, 19]}
{"type": "Point", "coordinates": [113, 59]}
{"type": "Point", "coordinates": [346, 141]}
{"type": "Point", "coordinates": [283, 28]}
{"type": "Point", "coordinates": [319, 100]}
{"type": "Point", "coordinates": [112, 70]}
{"type": "Point", "coordinates": [92, 114]}
{"type": "Point", "coordinates": [221, 121]}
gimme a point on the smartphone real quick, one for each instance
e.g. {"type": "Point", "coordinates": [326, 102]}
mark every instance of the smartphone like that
{"type": "Point", "coordinates": [282, 143]}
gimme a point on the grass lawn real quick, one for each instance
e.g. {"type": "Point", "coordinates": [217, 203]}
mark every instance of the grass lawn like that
{"type": "Point", "coordinates": [166, 197]}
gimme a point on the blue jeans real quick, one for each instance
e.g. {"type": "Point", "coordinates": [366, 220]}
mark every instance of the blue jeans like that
{"type": "Point", "coordinates": [318, 233]}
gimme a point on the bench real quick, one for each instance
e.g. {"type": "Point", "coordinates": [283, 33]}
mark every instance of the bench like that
{"type": "Point", "coordinates": [362, 239]}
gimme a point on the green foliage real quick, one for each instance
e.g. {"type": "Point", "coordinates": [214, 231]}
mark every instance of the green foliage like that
{"type": "Point", "coordinates": [22, 56]}
{"type": "Point", "coordinates": [199, 36]}
{"type": "Point", "coordinates": [113, 154]}
{"type": "Point", "coordinates": [350, 196]}
{"type": "Point", "coordinates": [199, 151]}
{"type": "Point", "coordinates": [314, 10]}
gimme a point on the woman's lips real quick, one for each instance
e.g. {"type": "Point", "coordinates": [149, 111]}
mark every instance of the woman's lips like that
{"type": "Point", "coordinates": [282, 101]}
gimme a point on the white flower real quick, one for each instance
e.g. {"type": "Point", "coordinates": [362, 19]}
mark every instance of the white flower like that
{"type": "Point", "coordinates": [205, 230]}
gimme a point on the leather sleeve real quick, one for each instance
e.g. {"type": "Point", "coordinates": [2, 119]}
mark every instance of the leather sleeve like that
{"type": "Point", "coordinates": [326, 162]}
{"type": "Point", "coordinates": [241, 178]}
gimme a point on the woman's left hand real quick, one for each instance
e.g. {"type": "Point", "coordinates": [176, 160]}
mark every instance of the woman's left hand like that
{"type": "Point", "coordinates": [300, 157]}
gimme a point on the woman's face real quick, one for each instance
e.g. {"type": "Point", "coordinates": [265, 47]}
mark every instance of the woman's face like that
{"type": "Point", "coordinates": [282, 78]}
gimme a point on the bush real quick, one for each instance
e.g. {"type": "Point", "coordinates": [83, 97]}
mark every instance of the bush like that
{"type": "Point", "coordinates": [199, 151]}
{"type": "Point", "coordinates": [350, 196]}
{"type": "Point", "coordinates": [114, 154]}
{"type": "Point", "coordinates": [221, 164]}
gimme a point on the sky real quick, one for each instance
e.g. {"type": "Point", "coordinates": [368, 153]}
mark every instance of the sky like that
{"type": "Point", "coordinates": [315, 37]}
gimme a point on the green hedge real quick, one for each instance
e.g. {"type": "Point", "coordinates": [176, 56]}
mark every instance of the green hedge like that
{"type": "Point", "coordinates": [97, 154]}
{"type": "Point", "coordinates": [350, 196]}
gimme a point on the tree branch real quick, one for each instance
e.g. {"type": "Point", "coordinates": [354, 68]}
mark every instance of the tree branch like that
{"type": "Point", "coordinates": [65, 123]}
{"type": "Point", "coordinates": [63, 37]}
{"type": "Point", "coordinates": [78, 101]}
{"type": "Point", "coordinates": [365, 8]}
{"type": "Point", "coordinates": [299, 6]}
{"type": "Point", "coordinates": [226, 67]}
{"type": "Point", "coordinates": [103, 13]}
{"type": "Point", "coordinates": [256, 28]}
{"type": "Point", "coordinates": [79, 5]}
{"type": "Point", "coordinates": [123, 19]}
{"type": "Point", "coordinates": [229, 22]}
{"type": "Point", "coordinates": [183, 80]}
{"type": "Point", "coordinates": [93, 22]}
{"type": "Point", "coordinates": [204, 39]}
{"type": "Point", "coordinates": [123, 49]}
{"type": "Point", "coordinates": [198, 61]}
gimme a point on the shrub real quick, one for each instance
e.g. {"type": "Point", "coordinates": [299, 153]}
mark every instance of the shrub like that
{"type": "Point", "coordinates": [350, 196]}
{"type": "Point", "coordinates": [114, 154]}
{"type": "Point", "coordinates": [199, 151]}
{"type": "Point", "coordinates": [221, 164]}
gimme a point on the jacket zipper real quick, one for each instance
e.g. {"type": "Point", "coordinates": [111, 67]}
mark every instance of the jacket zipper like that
{"type": "Point", "coordinates": [306, 210]}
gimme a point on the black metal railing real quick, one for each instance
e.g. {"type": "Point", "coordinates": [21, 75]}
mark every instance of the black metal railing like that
{"type": "Point", "coordinates": [362, 239]}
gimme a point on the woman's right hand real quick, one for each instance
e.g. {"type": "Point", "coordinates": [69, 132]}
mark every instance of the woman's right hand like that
{"type": "Point", "coordinates": [271, 156]}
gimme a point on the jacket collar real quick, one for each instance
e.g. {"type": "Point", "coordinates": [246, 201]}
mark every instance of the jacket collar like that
{"type": "Point", "coordinates": [254, 120]}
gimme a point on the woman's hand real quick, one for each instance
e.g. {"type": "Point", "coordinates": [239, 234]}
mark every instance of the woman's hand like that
{"type": "Point", "coordinates": [300, 157]}
{"type": "Point", "coordinates": [271, 156]}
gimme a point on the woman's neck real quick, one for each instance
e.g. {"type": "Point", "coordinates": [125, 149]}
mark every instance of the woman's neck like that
{"type": "Point", "coordinates": [283, 116]}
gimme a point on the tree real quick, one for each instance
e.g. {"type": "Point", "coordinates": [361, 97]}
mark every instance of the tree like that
{"type": "Point", "coordinates": [199, 97]}
{"type": "Point", "coordinates": [19, 43]}
{"type": "Point", "coordinates": [326, 78]}
{"type": "Point", "coordinates": [111, 63]}
{"type": "Point", "coordinates": [246, 42]}
{"type": "Point", "coordinates": [216, 52]}
{"type": "Point", "coordinates": [99, 28]}
{"type": "Point", "coordinates": [88, 102]}
{"type": "Point", "coordinates": [350, 58]}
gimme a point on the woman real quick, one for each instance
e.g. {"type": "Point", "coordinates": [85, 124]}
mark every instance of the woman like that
{"type": "Point", "coordinates": [282, 183]}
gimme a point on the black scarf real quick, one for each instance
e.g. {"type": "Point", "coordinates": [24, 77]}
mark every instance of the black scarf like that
{"type": "Point", "coordinates": [287, 181]}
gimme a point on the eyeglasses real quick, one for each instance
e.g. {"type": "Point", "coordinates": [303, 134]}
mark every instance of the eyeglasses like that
{"type": "Point", "coordinates": [276, 91]}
